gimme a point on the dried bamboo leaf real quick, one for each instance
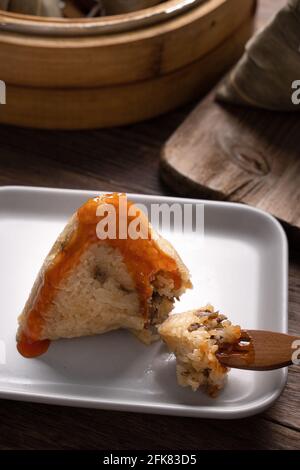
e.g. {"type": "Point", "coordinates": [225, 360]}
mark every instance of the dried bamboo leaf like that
{"type": "Point", "coordinates": [271, 63]}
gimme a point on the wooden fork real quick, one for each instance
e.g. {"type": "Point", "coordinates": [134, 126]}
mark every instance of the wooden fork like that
{"type": "Point", "coordinates": [261, 350]}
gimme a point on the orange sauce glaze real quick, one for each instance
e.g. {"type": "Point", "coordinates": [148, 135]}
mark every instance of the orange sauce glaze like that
{"type": "Point", "coordinates": [142, 257]}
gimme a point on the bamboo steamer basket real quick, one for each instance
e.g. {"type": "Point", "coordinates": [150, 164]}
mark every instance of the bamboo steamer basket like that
{"type": "Point", "coordinates": [77, 82]}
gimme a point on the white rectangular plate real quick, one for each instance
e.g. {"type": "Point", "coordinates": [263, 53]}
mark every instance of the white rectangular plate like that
{"type": "Point", "coordinates": [240, 266]}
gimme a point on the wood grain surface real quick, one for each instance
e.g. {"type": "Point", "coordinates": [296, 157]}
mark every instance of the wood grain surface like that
{"type": "Point", "coordinates": [238, 154]}
{"type": "Point", "coordinates": [127, 159]}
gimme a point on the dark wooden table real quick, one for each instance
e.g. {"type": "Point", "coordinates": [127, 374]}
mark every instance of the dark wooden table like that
{"type": "Point", "coordinates": [127, 159]}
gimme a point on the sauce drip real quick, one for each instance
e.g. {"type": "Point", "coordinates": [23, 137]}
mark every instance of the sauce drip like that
{"type": "Point", "coordinates": [143, 258]}
{"type": "Point", "coordinates": [29, 348]}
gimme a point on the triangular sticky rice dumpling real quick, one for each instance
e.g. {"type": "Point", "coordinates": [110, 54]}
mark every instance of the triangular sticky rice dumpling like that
{"type": "Point", "coordinates": [90, 285]}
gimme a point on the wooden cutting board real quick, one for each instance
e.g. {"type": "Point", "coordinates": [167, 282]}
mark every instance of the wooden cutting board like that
{"type": "Point", "coordinates": [237, 154]}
